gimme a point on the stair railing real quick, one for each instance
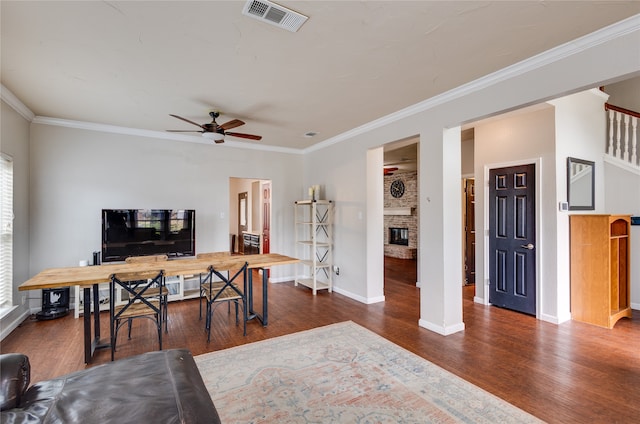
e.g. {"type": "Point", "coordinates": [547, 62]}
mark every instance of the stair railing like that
{"type": "Point", "coordinates": [622, 142]}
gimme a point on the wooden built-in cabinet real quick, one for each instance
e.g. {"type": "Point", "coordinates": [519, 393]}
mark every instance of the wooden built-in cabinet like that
{"type": "Point", "coordinates": [600, 277]}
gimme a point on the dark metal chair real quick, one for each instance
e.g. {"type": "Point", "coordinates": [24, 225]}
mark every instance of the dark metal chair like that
{"type": "Point", "coordinates": [205, 287]}
{"type": "Point", "coordinates": [225, 291]}
{"type": "Point", "coordinates": [138, 305]}
{"type": "Point", "coordinates": [154, 291]}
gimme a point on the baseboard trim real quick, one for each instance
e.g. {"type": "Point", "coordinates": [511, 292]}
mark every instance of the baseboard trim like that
{"type": "Point", "coordinates": [554, 319]}
{"type": "Point", "coordinates": [7, 328]}
{"type": "Point", "coordinates": [282, 279]}
{"type": "Point", "coordinates": [480, 300]}
{"type": "Point", "coordinates": [361, 299]}
{"type": "Point", "coordinates": [358, 298]}
{"type": "Point", "coordinates": [442, 330]}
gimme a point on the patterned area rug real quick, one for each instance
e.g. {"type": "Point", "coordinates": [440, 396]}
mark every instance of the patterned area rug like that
{"type": "Point", "coordinates": [342, 373]}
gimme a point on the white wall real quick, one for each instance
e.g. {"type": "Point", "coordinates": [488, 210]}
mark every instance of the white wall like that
{"type": "Point", "coordinates": [256, 210]}
{"type": "Point", "coordinates": [572, 126]}
{"type": "Point", "coordinates": [237, 186]}
{"type": "Point", "coordinates": [70, 170]}
{"type": "Point", "coordinates": [580, 133]}
{"type": "Point", "coordinates": [524, 137]}
{"type": "Point", "coordinates": [623, 197]}
{"type": "Point", "coordinates": [14, 141]}
{"type": "Point", "coordinates": [467, 157]}
{"type": "Point", "coordinates": [623, 186]}
{"type": "Point", "coordinates": [75, 173]}
{"type": "Point", "coordinates": [340, 164]}
{"type": "Point", "coordinates": [625, 93]}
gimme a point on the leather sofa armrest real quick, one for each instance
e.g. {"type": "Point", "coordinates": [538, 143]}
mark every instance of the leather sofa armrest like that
{"type": "Point", "coordinates": [15, 376]}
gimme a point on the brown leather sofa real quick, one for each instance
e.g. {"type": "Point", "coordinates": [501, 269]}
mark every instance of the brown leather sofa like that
{"type": "Point", "coordinates": [155, 387]}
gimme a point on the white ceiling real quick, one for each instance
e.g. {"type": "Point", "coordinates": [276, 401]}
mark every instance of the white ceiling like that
{"type": "Point", "coordinates": [131, 64]}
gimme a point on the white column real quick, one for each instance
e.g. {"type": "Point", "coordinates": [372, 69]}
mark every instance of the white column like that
{"type": "Point", "coordinates": [440, 252]}
{"type": "Point", "coordinates": [375, 224]}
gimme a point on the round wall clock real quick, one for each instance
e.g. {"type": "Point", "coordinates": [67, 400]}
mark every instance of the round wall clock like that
{"type": "Point", "coordinates": [397, 188]}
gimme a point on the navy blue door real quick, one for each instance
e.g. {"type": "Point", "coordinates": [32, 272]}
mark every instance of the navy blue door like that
{"type": "Point", "coordinates": [512, 231]}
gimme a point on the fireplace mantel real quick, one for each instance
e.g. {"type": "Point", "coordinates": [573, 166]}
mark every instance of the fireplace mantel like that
{"type": "Point", "coordinates": [397, 211]}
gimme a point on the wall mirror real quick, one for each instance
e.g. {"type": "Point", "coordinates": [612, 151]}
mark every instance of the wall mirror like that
{"type": "Point", "coordinates": [580, 184]}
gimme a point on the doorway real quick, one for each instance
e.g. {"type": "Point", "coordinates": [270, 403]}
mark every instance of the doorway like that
{"type": "Point", "coordinates": [242, 217]}
{"type": "Point", "coordinates": [469, 205]}
{"type": "Point", "coordinates": [265, 200]}
{"type": "Point", "coordinates": [400, 203]}
{"type": "Point", "coordinates": [249, 215]}
{"type": "Point", "coordinates": [512, 238]}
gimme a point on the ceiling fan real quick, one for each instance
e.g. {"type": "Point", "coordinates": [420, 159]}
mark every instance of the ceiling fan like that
{"type": "Point", "coordinates": [216, 132]}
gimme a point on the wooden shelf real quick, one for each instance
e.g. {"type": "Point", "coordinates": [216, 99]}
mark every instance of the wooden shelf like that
{"type": "Point", "coordinates": [314, 244]}
{"type": "Point", "coordinates": [309, 282]}
{"type": "Point", "coordinates": [600, 275]}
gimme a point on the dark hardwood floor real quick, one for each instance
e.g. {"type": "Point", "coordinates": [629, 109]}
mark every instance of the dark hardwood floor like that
{"type": "Point", "coordinates": [568, 373]}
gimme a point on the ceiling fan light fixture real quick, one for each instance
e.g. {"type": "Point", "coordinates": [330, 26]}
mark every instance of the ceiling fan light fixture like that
{"type": "Point", "coordinates": [217, 137]}
{"type": "Point", "coordinates": [215, 132]}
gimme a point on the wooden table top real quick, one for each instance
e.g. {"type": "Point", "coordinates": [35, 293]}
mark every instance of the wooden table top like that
{"type": "Point", "coordinates": [89, 275]}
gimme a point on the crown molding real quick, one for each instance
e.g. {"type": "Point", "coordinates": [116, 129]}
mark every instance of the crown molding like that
{"type": "Point", "coordinates": [114, 129]}
{"type": "Point", "coordinates": [601, 36]}
{"type": "Point", "coordinates": [9, 98]}
{"type": "Point", "coordinates": [619, 29]}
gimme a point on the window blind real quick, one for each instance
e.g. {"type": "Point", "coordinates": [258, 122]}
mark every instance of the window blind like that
{"type": "Point", "coordinates": [6, 231]}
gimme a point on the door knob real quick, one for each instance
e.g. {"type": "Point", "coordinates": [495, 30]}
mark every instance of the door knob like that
{"type": "Point", "coordinates": [527, 246]}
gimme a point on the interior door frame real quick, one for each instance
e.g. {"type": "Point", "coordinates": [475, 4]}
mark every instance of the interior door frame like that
{"type": "Point", "coordinates": [463, 188]}
{"type": "Point", "coordinates": [243, 195]}
{"type": "Point", "coordinates": [482, 290]}
{"type": "Point", "coordinates": [265, 207]}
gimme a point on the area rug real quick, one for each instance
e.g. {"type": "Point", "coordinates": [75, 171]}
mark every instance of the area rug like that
{"type": "Point", "coordinates": [342, 373]}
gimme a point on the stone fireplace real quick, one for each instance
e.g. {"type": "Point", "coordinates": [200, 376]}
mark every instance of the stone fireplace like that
{"type": "Point", "coordinates": [399, 236]}
{"type": "Point", "coordinates": [401, 217]}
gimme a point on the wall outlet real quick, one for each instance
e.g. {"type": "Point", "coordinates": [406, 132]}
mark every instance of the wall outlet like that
{"type": "Point", "coordinates": [24, 299]}
{"type": "Point", "coordinates": [336, 269]}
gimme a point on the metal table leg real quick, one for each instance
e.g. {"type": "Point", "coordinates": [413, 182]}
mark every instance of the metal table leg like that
{"type": "Point", "coordinates": [265, 306]}
{"type": "Point", "coordinates": [87, 324]}
{"type": "Point", "coordinates": [91, 343]}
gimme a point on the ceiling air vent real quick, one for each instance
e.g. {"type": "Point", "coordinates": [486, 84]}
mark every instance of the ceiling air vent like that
{"type": "Point", "coordinates": [274, 14]}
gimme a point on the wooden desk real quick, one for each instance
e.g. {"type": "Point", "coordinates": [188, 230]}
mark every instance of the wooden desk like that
{"type": "Point", "coordinates": [90, 276]}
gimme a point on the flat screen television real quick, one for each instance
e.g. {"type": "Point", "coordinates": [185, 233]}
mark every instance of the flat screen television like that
{"type": "Point", "coordinates": [140, 232]}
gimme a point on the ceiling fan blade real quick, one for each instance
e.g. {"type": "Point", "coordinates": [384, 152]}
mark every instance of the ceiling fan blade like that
{"type": "Point", "coordinates": [185, 131]}
{"type": "Point", "coordinates": [186, 120]}
{"type": "Point", "coordinates": [231, 124]}
{"type": "Point", "coordinates": [241, 135]}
